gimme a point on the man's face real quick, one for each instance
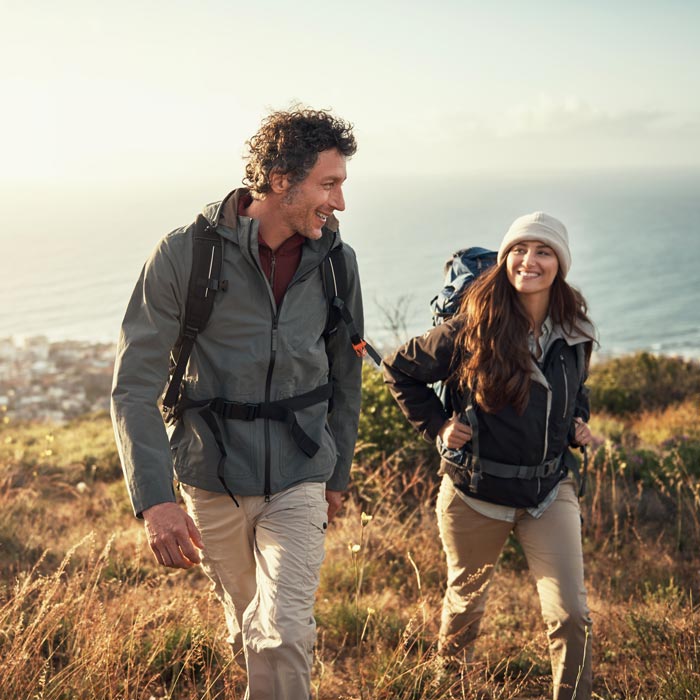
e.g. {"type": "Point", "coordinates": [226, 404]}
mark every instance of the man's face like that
{"type": "Point", "coordinates": [307, 204]}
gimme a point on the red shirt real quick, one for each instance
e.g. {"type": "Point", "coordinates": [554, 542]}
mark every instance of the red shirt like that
{"type": "Point", "coordinates": [280, 265]}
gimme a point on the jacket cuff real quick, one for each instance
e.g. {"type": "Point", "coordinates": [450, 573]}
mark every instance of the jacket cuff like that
{"type": "Point", "coordinates": [433, 426]}
{"type": "Point", "coordinates": [152, 496]}
{"type": "Point", "coordinates": [339, 481]}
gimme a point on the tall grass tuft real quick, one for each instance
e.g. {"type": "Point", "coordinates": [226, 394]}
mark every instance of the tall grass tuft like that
{"type": "Point", "coordinates": [85, 612]}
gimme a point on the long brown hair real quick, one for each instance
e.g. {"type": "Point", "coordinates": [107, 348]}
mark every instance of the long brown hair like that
{"type": "Point", "coordinates": [493, 360]}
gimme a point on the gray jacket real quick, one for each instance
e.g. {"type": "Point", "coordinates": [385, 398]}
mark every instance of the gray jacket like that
{"type": "Point", "coordinates": [251, 351]}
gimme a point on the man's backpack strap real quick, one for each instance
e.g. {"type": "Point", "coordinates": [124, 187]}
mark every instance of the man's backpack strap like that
{"type": "Point", "coordinates": [335, 282]}
{"type": "Point", "coordinates": [205, 281]}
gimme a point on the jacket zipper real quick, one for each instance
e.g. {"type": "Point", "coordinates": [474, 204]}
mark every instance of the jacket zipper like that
{"type": "Point", "coordinates": [271, 366]}
{"type": "Point", "coordinates": [273, 263]}
{"type": "Point", "coordinates": [566, 385]}
{"type": "Point", "coordinates": [548, 414]}
{"type": "Point", "coordinates": [268, 380]}
{"type": "Point", "coordinates": [268, 388]}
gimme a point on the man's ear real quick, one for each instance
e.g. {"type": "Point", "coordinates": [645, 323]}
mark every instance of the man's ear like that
{"type": "Point", "coordinates": [279, 182]}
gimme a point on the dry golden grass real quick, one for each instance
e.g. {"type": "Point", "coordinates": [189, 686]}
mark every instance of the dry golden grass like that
{"type": "Point", "coordinates": [85, 613]}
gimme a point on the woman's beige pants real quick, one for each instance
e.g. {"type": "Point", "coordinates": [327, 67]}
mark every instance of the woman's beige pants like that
{"type": "Point", "coordinates": [264, 560]}
{"type": "Point", "coordinates": [552, 545]}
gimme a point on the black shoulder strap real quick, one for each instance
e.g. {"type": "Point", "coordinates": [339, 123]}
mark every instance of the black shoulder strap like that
{"type": "Point", "coordinates": [581, 362]}
{"type": "Point", "coordinates": [335, 284]}
{"type": "Point", "coordinates": [205, 281]}
{"type": "Point", "coordinates": [581, 366]}
{"type": "Point", "coordinates": [335, 281]}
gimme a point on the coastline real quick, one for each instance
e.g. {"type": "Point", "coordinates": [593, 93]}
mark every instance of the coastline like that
{"type": "Point", "coordinates": [58, 380]}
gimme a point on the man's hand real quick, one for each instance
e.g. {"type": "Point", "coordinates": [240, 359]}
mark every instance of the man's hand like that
{"type": "Point", "coordinates": [172, 535]}
{"type": "Point", "coordinates": [455, 434]}
{"type": "Point", "coordinates": [335, 500]}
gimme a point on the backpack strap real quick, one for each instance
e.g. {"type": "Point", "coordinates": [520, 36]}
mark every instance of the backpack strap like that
{"type": "Point", "coordinates": [473, 421]}
{"type": "Point", "coordinates": [282, 410]}
{"type": "Point", "coordinates": [581, 362]}
{"type": "Point", "coordinates": [581, 366]}
{"type": "Point", "coordinates": [204, 283]}
{"type": "Point", "coordinates": [335, 282]}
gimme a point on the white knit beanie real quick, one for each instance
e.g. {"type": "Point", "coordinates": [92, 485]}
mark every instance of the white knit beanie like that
{"type": "Point", "coordinates": [539, 227]}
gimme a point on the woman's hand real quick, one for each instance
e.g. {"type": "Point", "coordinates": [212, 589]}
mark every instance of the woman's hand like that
{"type": "Point", "coordinates": [582, 433]}
{"type": "Point", "coordinates": [454, 434]}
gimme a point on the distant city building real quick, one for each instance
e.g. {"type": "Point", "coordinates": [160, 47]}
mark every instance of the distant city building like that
{"type": "Point", "coordinates": [55, 382]}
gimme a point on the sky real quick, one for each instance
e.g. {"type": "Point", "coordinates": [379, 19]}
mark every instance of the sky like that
{"type": "Point", "coordinates": [153, 90]}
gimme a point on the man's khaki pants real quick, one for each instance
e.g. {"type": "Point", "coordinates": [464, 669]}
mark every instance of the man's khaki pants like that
{"type": "Point", "coordinates": [552, 545]}
{"type": "Point", "coordinates": [264, 560]}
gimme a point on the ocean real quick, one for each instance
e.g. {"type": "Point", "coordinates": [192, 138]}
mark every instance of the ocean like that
{"type": "Point", "coordinates": [71, 257]}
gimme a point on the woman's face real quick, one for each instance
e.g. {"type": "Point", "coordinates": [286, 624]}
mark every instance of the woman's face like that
{"type": "Point", "coordinates": [531, 267]}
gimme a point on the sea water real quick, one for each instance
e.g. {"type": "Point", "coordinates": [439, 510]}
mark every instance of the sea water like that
{"type": "Point", "coordinates": [70, 256]}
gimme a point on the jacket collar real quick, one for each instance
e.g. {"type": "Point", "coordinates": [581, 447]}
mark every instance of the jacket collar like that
{"type": "Point", "coordinates": [571, 339]}
{"type": "Point", "coordinates": [243, 231]}
{"type": "Point", "coordinates": [575, 337]}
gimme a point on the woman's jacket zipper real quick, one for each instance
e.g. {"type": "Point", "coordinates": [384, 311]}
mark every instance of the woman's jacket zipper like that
{"type": "Point", "coordinates": [566, 386]}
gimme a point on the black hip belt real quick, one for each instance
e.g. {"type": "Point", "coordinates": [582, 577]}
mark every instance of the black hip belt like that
{"type": "Point", "coordinates": [474, 465]}
{"type": "Point", "coordinates": [282, 410]}
{"type": "Point", "coordinates": [504, 471]}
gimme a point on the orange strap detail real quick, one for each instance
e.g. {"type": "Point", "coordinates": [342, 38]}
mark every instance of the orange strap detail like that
{"type": "Point", "coordinates": [360, 348]}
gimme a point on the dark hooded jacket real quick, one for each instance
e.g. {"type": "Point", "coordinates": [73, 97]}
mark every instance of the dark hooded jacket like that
{"type": "Point", "coordinates": [252, 350]}
{"type": "Point", "coordinates": [543, 433]}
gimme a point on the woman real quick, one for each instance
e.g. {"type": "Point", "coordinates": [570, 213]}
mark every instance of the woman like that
{"type": "Point", "coordinates": [513, 361]}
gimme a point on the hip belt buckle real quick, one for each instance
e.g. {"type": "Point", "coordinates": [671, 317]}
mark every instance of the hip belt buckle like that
{"type": "Point", "coordinates": [251, 411]}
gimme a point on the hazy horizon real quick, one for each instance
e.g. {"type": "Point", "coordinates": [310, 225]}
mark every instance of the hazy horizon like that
{"type": "Point", "coordinates": [171, 90]}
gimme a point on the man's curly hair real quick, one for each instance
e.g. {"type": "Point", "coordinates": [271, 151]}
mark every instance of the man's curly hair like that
{"type": "Point", "coordinates": [289, 143]}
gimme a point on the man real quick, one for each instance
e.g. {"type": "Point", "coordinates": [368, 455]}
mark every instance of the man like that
{"type": "Point", "coordinates": [260, 480]}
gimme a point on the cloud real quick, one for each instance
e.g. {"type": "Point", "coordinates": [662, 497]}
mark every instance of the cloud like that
{"type": "Point", "coordinates": [573, 115]}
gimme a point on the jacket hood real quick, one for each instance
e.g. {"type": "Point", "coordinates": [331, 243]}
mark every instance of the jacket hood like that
{"type": "Point", "coordinates": [575, 337]}
{"type": "Point", "coordinates": [243, 232]}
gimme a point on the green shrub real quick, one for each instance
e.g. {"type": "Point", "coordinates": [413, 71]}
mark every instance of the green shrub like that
{"type": "Point", "coordinates": [383, 428]}
{"type": "Point", "coordinates": [642, 382]}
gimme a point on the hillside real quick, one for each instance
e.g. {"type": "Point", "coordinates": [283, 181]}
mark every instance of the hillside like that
{"type": "Point", "coordinates": [85, 612]}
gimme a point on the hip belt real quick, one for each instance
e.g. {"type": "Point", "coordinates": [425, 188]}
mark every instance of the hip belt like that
{"type": "Point", "coordinates": [481, 465]}
{"type": "Point", "coordinates": [282, 410]}
{"type": "Point", "coordinates": [462, 461]}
